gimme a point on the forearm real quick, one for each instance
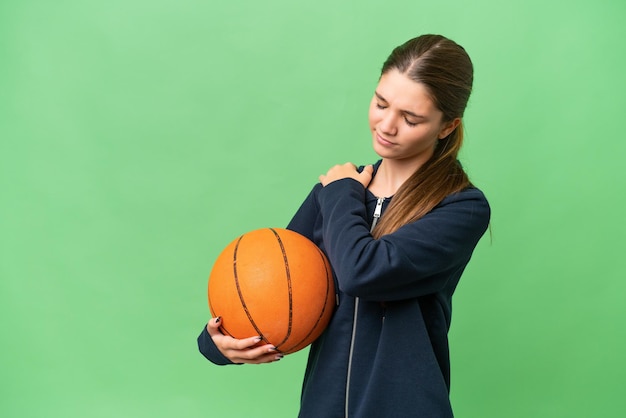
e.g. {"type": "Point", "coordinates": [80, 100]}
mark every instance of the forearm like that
{"type": "Point", "coordinates": [417, 259]}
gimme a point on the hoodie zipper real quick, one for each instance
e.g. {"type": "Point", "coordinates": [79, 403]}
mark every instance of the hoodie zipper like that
{"type": "Point", "coordinates": [377, 212]}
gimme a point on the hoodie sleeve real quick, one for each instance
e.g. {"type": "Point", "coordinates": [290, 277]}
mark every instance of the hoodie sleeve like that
{"type": "Point", "coordinates": [417, 259]}
{"type": "Point", "coordinates": [306, 220]}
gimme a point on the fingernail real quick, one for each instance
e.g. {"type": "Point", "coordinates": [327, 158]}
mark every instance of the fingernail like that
{"type": "Point", "coordinates": [279, 356]}
{"type": "Point", "coordinates": [259, 338]}
{"type": "Point", "coordinates": [217, 320]}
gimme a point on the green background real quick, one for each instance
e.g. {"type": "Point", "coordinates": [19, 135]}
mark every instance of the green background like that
{"type": "Point", "coordinates": [139, 137]}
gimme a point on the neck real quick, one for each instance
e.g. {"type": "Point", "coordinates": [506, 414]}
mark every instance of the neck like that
{"type": "Point", "coordinates": [391, 175]}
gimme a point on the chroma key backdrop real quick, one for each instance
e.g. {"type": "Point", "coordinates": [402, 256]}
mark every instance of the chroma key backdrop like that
{"type": "Point", "coordinates": [139, 137]}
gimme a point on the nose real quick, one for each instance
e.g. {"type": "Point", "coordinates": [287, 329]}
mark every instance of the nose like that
{"type": "Point", "coordinates": [387, 124]}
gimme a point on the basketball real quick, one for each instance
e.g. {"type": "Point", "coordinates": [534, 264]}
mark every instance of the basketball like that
{"type": "Point", "coordinates": [274, 283]}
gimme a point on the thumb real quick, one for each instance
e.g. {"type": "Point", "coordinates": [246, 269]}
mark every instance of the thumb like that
{"type": "Point", "coordinates": [365, 176]}
{"type": "Point", "coordinates": [214, 325]}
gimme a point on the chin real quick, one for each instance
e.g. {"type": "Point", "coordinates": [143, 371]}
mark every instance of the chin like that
{"type": "Point", "coordinates": [381, 151]}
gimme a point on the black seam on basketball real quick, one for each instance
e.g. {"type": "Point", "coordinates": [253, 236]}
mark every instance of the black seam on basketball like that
{"type": "Point", "coordinates": [240, 293]}
{"type": "Point", "coordinates": [321, 315]}
{"type": "Point", "coordinates": [288, 273]}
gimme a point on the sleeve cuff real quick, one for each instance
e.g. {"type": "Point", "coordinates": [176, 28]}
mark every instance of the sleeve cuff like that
{"type": "Point", "coordinates": [340, 188]}
{"type": "Point", "coordinates": [209, 350]}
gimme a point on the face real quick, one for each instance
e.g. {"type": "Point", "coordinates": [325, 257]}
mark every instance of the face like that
{"type": "Point", "coordinates": [404, 121]}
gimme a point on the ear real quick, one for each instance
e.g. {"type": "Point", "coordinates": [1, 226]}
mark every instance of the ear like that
{"type": "Point", "coordinates": [449, 127]}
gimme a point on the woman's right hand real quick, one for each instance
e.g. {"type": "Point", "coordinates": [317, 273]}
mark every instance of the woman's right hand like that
{"type": "Point", "coordinates": [242, 351]}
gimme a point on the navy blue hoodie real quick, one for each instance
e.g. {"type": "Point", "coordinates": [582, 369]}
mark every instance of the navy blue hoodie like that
{"type": "Point", "coordinates": [385, 352]}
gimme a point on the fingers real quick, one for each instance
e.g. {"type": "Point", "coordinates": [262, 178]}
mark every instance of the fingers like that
{"type": "Point", "coordinates": [231, 343]}
{"type": "Point", "coordinates": [347, 170]}
{"type": "Point", "coordinates": [338, 172]}
{"type": "Point", "coordinates": [226, 342]}
{"type": "Point", "coordinates": [245, 350]}
{"type": "Point", "coordinates": [369, 169]}
{"type": "Point", "coordinates": [264, 354]}
{"type": "Point", "coordinates": [365, 176]}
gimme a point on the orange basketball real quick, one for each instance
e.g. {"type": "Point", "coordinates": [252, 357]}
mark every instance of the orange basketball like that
{"type": "Point", "coordinates": [274, 283]}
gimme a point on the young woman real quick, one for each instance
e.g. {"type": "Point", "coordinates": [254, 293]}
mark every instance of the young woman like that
{"type": "Point", "coordinates": [398, 234]}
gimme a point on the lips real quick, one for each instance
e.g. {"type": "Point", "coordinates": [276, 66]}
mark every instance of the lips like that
{"type": "Point", "coordinates": [382, 140]}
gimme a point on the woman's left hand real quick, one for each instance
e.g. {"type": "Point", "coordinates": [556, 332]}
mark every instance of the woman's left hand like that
{"type": "Point", "coordinates": [348, 170]}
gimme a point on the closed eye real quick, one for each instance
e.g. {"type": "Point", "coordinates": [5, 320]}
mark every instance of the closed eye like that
{"type": "Point", "coordinates": [381, 103]}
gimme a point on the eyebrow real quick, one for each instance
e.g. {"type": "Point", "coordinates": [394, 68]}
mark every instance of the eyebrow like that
{"type": "Point", "coordinates": [408, 112]}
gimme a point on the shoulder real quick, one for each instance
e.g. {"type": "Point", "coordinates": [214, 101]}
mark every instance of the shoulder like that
{"type": "Point", "coordinates": [470, 193]}
{"type": "Point", "coordinates": [471, 202]}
